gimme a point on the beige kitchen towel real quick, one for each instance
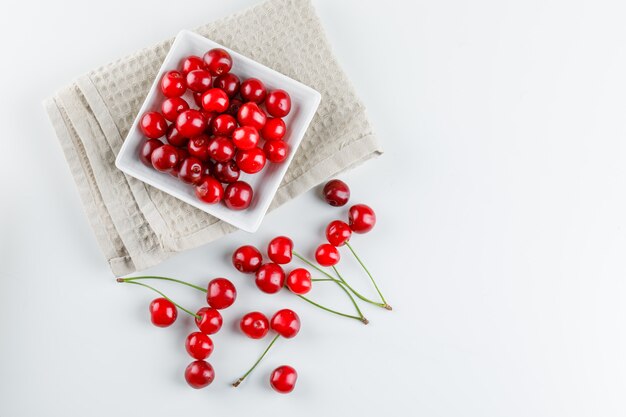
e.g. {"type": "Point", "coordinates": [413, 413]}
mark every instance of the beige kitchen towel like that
{"type": "Point", "coordinates": [138, 226]}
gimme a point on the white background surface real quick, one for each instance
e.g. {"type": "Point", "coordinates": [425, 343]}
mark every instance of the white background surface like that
{"type": "Point", "coordinates": [500, 243]}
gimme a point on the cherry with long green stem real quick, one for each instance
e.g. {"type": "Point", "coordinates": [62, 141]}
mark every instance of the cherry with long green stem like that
{"type": "Point", "coordinates": [360, 317]}
{"type": "Point", "coordinates": [160, 293]}
{"type": "Point", "coordinates": [369, 275]}
{"type": "Point", "coordinates": [285, 323]}
{"type": "Point", "coordinates": [367, 300]}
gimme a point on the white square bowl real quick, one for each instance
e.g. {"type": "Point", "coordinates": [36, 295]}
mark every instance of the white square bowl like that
{"type": "Point", "coordinates": [304, 103]}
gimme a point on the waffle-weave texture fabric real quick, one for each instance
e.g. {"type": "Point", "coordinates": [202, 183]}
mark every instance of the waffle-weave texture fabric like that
{"type": "Point", "coordinates": [138, 226]}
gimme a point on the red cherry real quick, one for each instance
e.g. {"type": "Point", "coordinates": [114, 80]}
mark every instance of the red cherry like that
{"type": "Point", "coordinates": [280, 250]}
{"type": "Point", "coordinates": [146, 149]}
{"type": "Point", "coordinates": [163, 312]}
{"type": "Point", "coordinates": [338, 233]}
{"type": "Point", "coordinates": [164, 158]}
{"type": "Point", "coordinates": [210, 320]}
{"type": "Point", "coordinates": [197, 98]}
{"type": "Point", "coordinates": [233, 108]}
{"type": "Point", "coordinates": [218, 61]}
{"type": "Point", "coordinates": [238, 195]}
{"type": "Point", "coordinates": [283, 379]}
{"type": "Point", "coordinates": [361, 218]}
{"type": "Point", "coordinates": [299, 281]}
{"type": "Point", "coordinates": [199, 345]}
{"type": "Point", "coordinates": [250, 161]}
{"type": "Point", "coordinates": [198, 80]}
{"type": "Point", "coordinates": [255, 325]}
{"type": "Point", "coordinates": [174, 137]}
{"type": "Point", "coordinates": [221, 293]}
{"type": "Point", "coordinates": [277, 151]}
{"type": "Point", "coordinates": [286, 323]}
{"type": "Point", "coordinates": [182, 155]}
{"type": "Point", "coordinates": [173, 84]}
{"type": "Point", "coordinates": [192, 63]}
{"type": "Point", "coordinates": [221, 149]}
{"type": "Point", "coordinates": [190, 170]}
{"type": "Point", "coordinates": [327, 255]}
{"type": "Point", "coordinates": [247, 259]}
{"type": "Point", "coordinates": [215, 100]}
{"type": "Point", "coordinates": [199, 147]}
{"type": "Point", "coordinates": [250, 114]}
{"type": "Point", "coordinates": [270, 278]}
{"type": "Point", "coordinates": [336, 193]}
{"type": "Point", "coordinates": [253, 90]}
{"type": "Point", "coordinates": [172, 107]}
{"type": "Point", "coordinates": [153, 125]}
{"type": "Point", "coordinates": [274, 129]}
{"type": "Point", "coordinates": [209, 190]}
{"type": "Point", "coordinates": [199, 374]}
{"type": "Point", "coordinates": [228, 82]}
{"type": "Point", "coordinates": [227, 172]}
{"type": "Point", "coordinates": [223, 125]}
{"type": "Point", "coordinates": [191, 123]}
{"type": "Point", "coordinates": [246, 137]}
{"type": "Point", "coordinates": [278, 103]}
{"type": "Point", "coordinates": [209, 116]}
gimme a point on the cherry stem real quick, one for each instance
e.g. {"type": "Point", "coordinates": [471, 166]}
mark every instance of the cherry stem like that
{"type": "Point", "coordinates": [339, 283]}
{"type": "Point", "coordinates": [240, 380]}
{"type": "Point", "coordinates": [162, 279]}
{"type": "Point", "coordinates": [163, 295]}
{"type": "Point", "coordinates": [367, 300]}
{"type": "Point", "coordinates": [361, 318]}
{"type": "Point", "coordinates": [387, 306]}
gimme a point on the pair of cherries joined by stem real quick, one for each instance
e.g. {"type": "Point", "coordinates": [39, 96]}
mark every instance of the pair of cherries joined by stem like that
{"type": "Point", "coordinates": [237, 127]}
{"type": "Point", "coordinates": [285, 323]}
{"type": "Point", "coordinates": [220, 294]}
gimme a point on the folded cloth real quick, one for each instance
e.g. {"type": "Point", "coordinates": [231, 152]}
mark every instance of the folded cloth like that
{"type": "Point", "coordinates": [138, 226]}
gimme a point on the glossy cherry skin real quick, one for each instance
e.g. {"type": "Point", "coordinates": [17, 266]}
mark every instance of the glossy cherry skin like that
{"type": "Point", "coordinates": [280, 250]}
{"type": "Point", "coordinates": [217, 61]}
{"type": "Point", "coordinates": [199, 147]}
{"type": "Point", "coordinates": [270, 278]}
{"type": "Point", "coordinates": [221, 293]}
{"type": "Point", "coordinates": [210, 320]}
{"type": "Point", "coordinates": [153, 125]}
{"type": "Point", "coordinates": [221, 149]}
{"type": "Point", "coordinates": [192, 63]}
{"type": "Point", "coordinates": [199, 374]}
{"type": "Point", "coordinates": [227, 172]}
{"type": "Point", "coordinates": [174, 137]}
{"type": "Point", "coordinates": [182, 155]}
{"type": "Point", "coordinates": [299, 281]}
{"type": "Point", "coordinates": [336, 193]}
{"type": "Point", "coordinates": [209, 190]}
{"type": "Point", "coordinates": [361, 218]}
{"type": "Point", "coordinates": [172, 107]}
{"type": "Point", "coordinates": [250, 114]}
{"type": "Point", "coordinates": [197, 98]}
{"type": "Point", "coordinates": [238, 195]}
{"type": "Point", "coordinates": [223, 125]}
{"type": "Point", "coordinates": [228, 82]}
{"type": "Point", "coordinates": [278, 103]}
{"type": "Point", "coordinates": [146, 149]}
{"type": "Point", "coordinates": [233, 108]}
{"type": "Point", "coordinates": [255, 325]}
{"type": "Point", "coordinates": [246, 137]}
{"type": "Point", "coordinates": [191, 123]}
{"type": "Point", "coordinates": [247, 259]}
{"type": "Point", "coordinates": [199, 345]}
{"type": "Point", "coordinates": [286, 323]}
{"type": "Point", "coordinates": [190, 170]}
{"type": "Point", "coordinates": [164, 158]}
{"type": "Point", "coordinates": [276, 151]}
{"type": "Point", "coordinates": [199, 80]}
{"type": "Point", "coordinates": [251, 161]}
{"type": "Point", "coordinates": [338, 233]}
{"type": "Point", "coordinates": [173, 84]}
{"type": "Point", "coordinates": [163, 312]}
{"type": "Point", "coordinates": [327, 255]}
{"type": "Point", "coordinates": [215, 100]}
{"type": "Point", "coordinates": [283, 379]}
{"type": "Point", "coordinates": [253, 90]}
{"type": "Point", "coordinates": [274, 129]}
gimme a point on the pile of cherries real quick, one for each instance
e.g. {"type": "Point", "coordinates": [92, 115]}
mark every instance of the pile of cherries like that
{"type": "Point", "coordinates": [226, 133]}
